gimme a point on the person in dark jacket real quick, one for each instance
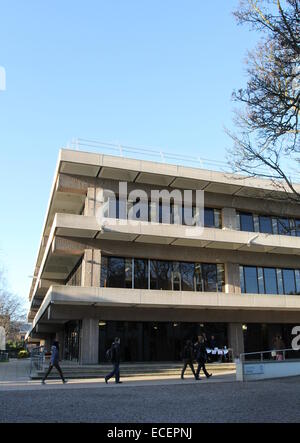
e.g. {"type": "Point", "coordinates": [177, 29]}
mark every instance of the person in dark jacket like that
{"type": "Point", "coordinates": [201, 357]}
{"type": "Point", "coordinates": [115, 359]}
{"type": "Point", "coordinates": [188, 357]}
{"type": "Point", "coordinates": [54, 361]}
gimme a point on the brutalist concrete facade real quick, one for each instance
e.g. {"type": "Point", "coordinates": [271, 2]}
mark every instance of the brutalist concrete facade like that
{"type": "Point", "coordinates": [63, 292]}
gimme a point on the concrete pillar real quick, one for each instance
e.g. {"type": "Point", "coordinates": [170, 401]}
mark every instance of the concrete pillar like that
{"type": "Point", "coordinates": [91, 268]}
{"type": "Point", "coordinates": [236, 338]}
{"type": "Point", "coordinates": [93, 201]}
{"type": "Point", "coordinates": [229, 218]}
{"type": "Point", "coordinates": [232, 278]}
{"type": "Point", "coordinates": [89, 341]}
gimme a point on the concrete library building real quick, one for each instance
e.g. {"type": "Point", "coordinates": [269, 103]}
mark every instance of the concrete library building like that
{"type": "Point", "coordinates": [154, 281]}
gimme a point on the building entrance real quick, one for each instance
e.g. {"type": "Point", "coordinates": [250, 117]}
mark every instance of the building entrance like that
{"type": "Point", "coordinates": [156, 341]}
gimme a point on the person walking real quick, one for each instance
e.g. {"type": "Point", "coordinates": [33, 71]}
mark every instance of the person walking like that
{"type": "Point", "coordinates": [201, 357]}
{"type": "Point", "coordinates": [54, 361]}
{"type": "Point", "coordinates": [114, 353]}
{"type": "Point", "coordinates": [188, 357]}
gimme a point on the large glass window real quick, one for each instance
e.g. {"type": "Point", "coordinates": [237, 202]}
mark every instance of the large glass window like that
{"type": "Point", "coordinates": [209, 275]}
{"type": "Point", "coordinates": [198, 277]}
{"type": "Point", "coordinates": [209, 218]}
{"type": "Point", "coordinates": [265, 224]}
{"type": "Point", "coordinates": [187, 276]}
{"type": "Point", "coordinates": [119, 272]}
{"type": "Point", "coordinates": [250, 275]}
{"type": "Point", "coordinates": [246, 222]}
{"type": "Point", "coordinates": [289, 281]}
{"type": "Point", "coordinates": [160, 274]}
{"type": "Point", "coordinates": [283, 226]}
{"type": "Point", "coordinates": [116, 272]}
{"type": "Point", "coordinates": [140, 273]}
{"type": "Point", "coordinates": [270, 281]}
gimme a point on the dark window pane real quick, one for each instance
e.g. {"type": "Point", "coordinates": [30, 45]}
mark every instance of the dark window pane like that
{"type": "Point", "coordinates": [283, 226]}
{"type": "Point", "coordinates": [265, 225]}
{"type": "Point", "coordinates": [128, 273]}
{"type": "Point", "coordinates": [140, 274]}
{"type": "Point", "coordinates": [209, 219]}
{"type": "Point", "coordinates": [251, 285]}
{"type": "Point", "coordinates": [297, 227]}
{"type": "Point", "coordinates": [198, 277]}
{"type": "Point", "coordinates": [242, 280]}
{"type": "Point", "coordinates": [187, 276]}
{"type": "Point", "coordinates": [289, 281]}
{"type": "Point", "coordinates": [160, 274]}
{"type": "Point", "coordinates": [209, 274]}
{"type": "Point", "coordinates": [176, 278]}
{"type": "Point", "coordinates": [246, 222]}
{"type": "Point", "coordinates": [270, 281]}
{"type": "Point", "coordinates": [116, 272]}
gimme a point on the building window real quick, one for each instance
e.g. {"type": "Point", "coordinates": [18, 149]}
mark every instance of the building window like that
{"type": "Point", "coordinates": [269, 280]}
{"type": "Point", "coordinates": [140, 273]}
{"type": "Point", "coordinates": [160, 275]}
{"type": "Point", "coordinates": [289, 285]}
{"type": "Point", "coordinates": [283, 226]}
{"type": "Point", "coordinates": [250, 278]}
{"type": "Point", "coordinates": [187, 276]}
{"type": "Point", "coordinates": [246, 222]}
{"type": "Point", "coordinates": [118, 272]}
{"type": "Point", "coordinates": [209, 275]}
{"type": "Point", "coordinates": [265, 224]}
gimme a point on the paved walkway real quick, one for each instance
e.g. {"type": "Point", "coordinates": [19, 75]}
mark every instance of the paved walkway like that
{"type": "Point", "coordinates": [161, 401]}
{"type": "Point", "coordinates": [15, 370]}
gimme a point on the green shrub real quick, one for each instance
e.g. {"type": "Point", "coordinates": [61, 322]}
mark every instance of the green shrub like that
{"type": "Point", "coordinates": [23, 354]}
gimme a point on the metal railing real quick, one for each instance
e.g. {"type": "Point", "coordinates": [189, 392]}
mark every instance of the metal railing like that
{"type": "Point", "coordinates": [37, 359]}
{"type": "Point", "coordinates": [4, 356]}
{"type": "Point", "coordinates": [271, 355]}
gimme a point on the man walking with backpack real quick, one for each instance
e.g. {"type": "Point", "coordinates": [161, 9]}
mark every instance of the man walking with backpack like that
{"type": "Point", "coordinates": [188, 356]}
{"type": "Point", "coordinates": [114, 355]}
{"type": "Point", "coordinates": [201, 357]}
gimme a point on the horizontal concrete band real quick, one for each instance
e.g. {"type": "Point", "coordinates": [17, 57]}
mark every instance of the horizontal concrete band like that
{"type": "Point", "coordinates": [138, 298]}
{"type": "Point", "coordinates": [69, 225]}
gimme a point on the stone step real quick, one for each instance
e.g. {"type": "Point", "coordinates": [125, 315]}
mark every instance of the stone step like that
{"type": "Point", "coordinates": [129, 370]}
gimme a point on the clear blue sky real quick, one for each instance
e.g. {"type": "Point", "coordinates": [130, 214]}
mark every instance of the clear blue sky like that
{"type": "Point", "coordinates": [152, 72]}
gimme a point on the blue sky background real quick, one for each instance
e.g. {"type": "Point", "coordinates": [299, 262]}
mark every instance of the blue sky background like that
{"type": "Point", "coordinates": [156, 73]}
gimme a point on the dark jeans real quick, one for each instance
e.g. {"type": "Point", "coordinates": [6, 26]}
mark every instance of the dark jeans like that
{"type": "Point", "coordinates": [201, 365]}
{"type": "Point", "coordinates": [187, 363]}
{"type": "Point", "coordinates": [56, 365]}
{"type": "Point", "coordinates": [115, 372]}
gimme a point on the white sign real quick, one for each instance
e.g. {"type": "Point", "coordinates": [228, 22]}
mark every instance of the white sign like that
{"type": "Point", "coordinates": [254, 369]}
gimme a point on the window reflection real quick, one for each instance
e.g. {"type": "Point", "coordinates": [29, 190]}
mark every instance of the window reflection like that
{"type": "Point", "coordinates": [251, 285]}
{"type": "Point", "coordinates": [246, 222]}
{"type": "Point", "coordinates": [140, 273]}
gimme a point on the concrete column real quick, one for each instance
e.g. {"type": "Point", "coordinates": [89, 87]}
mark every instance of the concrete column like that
{"type": "Point", "coordinates": [232, 278]}
{"type": "Point", "coordinates": [229, 218]}
{"type": "Point", "coordinates": [93, 201]}
{"type": "Point", "coordinates": [91, 267]}
{"type": "Point", "coordinates": [89, 341]}
{"type": "Point", "coordinates": [236, 338]}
